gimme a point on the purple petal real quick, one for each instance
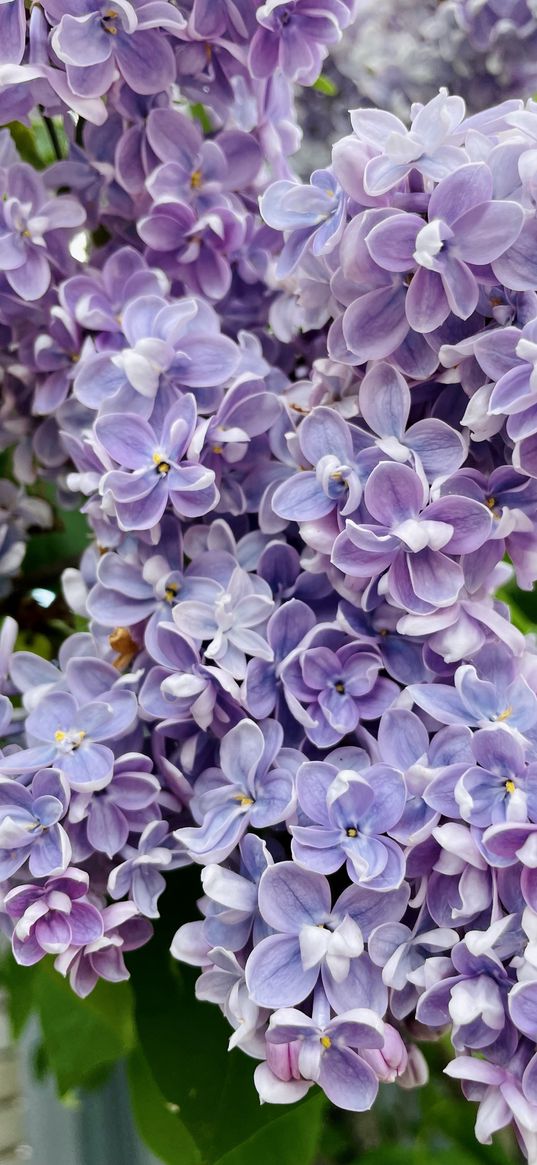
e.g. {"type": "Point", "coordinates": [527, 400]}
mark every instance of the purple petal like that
{"type": "Point", "coordinates": [290, 898]}
{"type": "Point", "coordinates": [275, 976]}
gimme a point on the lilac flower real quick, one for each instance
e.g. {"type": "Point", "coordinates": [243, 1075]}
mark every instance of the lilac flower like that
{"type": "Point", "coordinates": [341, 459]}
{"type": "Point", "coordinates": [94, 40]}
{"type": "Point", "coordinates": [374, 324]}
{"type": "Point", "coordinates": [339, 688]}
{"type": "Point", "coordinates": [51, 918]}
{"type": "Point", "coordinates": [97, 298]}
{"type": "Point", "coordinates": [313, 938]}
{"type": "Point", "coordinates": [504, 1095]}
{"type": "Point", "coordinates": [475, 998]}
{"type": "Point", "coordinates": [69, 737]}
{"type": "Point", "coordinates": [102, 958]}
{"type": "Point", "coordinates": [347, 813]}
{"type": "Point", "coordinates": [427, 767]}
{"type": "Point", "coordinates": [293, 36]}
{"type": "Point", "coordinates": [492, 691]}
{"type": "Point", "coordinates": [313, 216]}
{"type": "Point", "coordinates": [286, 629]}
{"type": "Point", "coordinates": [29, 220]}
{"type": "Point", "coordinates": [126, 805]}
{"type": "Point", "coordinates": [140, 874]}
{"type": "Point", "coordinates": [167, 344]}
{"type": "Point", "coordinates": [181, 688]}
{"type": "Point", "coordinates": [200, 169]}
{"type": "Point", "coordinates": [466, 228]}
{"type": "Point", "coordinates": [231, 910]}
{"type": "Point", "coordinates": [158, 472]}
{"type": "Point", "coordinates": [432, 444]}
{"type": "Point", "coordinates": [226, 619]}
{"type": "Point", "coordinates": [196, 245]}
{"type": "Point", "coordinates": [411, 540]}
{"type": "Point", "coordinates": [328, 1054]}
{"type": "Point", "coordinates": [407, 958]}
{"type": "Point", "coordinates": [429, 146]}
{"type": "Point", "coordinates": [246, 789]}
{"type": "Point", "coordinates": [30, 825]}
{"type": "Point", "coordinates": [500, 787]}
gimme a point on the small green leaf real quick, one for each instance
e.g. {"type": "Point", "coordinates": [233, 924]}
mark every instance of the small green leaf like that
{"type": "Point", "coordinates": [82, 1036]}
{"type": "Point", "coordinates": [200, 114]}
{"type": "Point", "coordinates": [325, 85]}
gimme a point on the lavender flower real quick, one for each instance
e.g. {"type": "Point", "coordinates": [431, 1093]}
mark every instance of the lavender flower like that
{"type": "Point", "coordinates": [157, 477]}
{"type": "Point", "coordinates": [51, 918]}
{"type": "Point", "coordinates": [95, 39]}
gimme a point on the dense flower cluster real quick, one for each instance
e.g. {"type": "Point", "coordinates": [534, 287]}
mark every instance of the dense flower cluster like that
{"type": "Point", "coordinates": [302, 422]}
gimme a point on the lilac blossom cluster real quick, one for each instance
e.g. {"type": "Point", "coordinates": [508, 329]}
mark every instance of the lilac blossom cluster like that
{"type": "Point", "coordinates": [301, 420]}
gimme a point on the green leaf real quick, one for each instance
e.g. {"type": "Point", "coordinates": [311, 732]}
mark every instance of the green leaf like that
{"type": "Point", "coordinates": [291, 1138]}
{"type": "Point", "coordinates": [416, 1155]}
{"type": "Point", "coordinates": [200, 114]}
{"type": "Point", "coordinates": [40, 144]}
{"type": "Point", "coordinates": [157, 1120]}
{"type": "Point", "coordinates": [185, 1045]}
{"type": "Point", "coordinates": [27, 146]}
{"type": "Point", "coordinates": [18, 984]}
{"type": "Point", "coordinates": [324, 85]}
{"type": "Point", "coordinates": [49, 551]}
{"type": "Point", "coordinates": [82, 1036]}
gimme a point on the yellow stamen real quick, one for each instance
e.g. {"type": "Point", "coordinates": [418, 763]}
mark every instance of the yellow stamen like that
{"type": "Point", "coordinates": [352, 832]}
{"type": "Point", "coordinates": [507, 712]}
{"type": "Point", "coordinates": [244, 802]}
{"type": "Point", "coordinates": [340, 687]}
{"type": "Point", "coordinates": [170, 592]}
{"type": "Point", "coordinates": [326, 1041]}
{"type": "Point", "coordinates": [510, 787]}
{"type": "Point", "coordinates": [59, 736]}
{"type": "Point", "coordinates": [491, 502]}
{"type": "Point", "coordinates": [162, 465]}
{"type": "Point", "coordinates": [110, 28]}
{"type": "Point", "coordinates": [218, 448]}
{"type": "Point", "coordinates": [121, 641]}
{"type": "Point", "coordinates": [196, 179]}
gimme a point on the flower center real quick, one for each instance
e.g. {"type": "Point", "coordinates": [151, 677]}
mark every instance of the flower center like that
{"type": "Point", "coordinates": [429, 243]}
{"type": "Point", "coordinates": [196, 179]}
{"type": "Point", "coordinates": [161, 465]}
{"type": "Point", "coordinates": [510, 787]}
{"type": "Point", "coordinates": [507, 712]}
{"type": "Point", "coordinates": [326, 1041]}
{"type": "Point", "coordinates": [108, 22]}
{"type": "Point", "coordinates": [243, 800]}
{"type": "Point", "coordinates": [69, 741]}
{"type": "Point", "coordinates": [340, 687]}
{"type": "Point", "coordinates": [170, 592]}
{"type": "Point", "coordinates": [352, 831]}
